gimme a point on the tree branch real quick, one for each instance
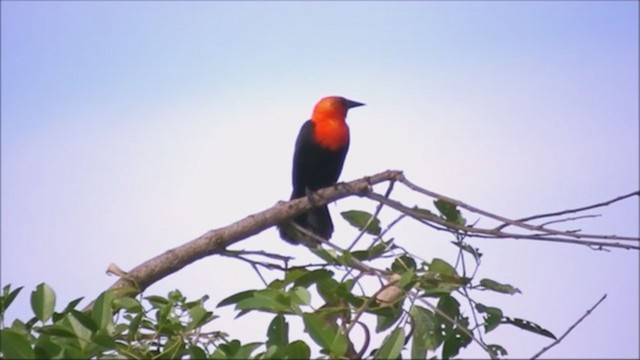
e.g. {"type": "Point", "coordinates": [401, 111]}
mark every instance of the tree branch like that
{"type": "Point", "coordinates": [570, 211]}
{"type": "Point", "coordinates": [521, 223]}
{"type": "Point", "coordinates": [213, 241]}
{"type": "Point", "coordinates": [569, 329]}
{"type": "Point", "coordinates": [428, 219]}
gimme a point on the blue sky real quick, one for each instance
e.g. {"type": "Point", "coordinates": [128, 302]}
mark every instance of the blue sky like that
{"type": "Point", "coordinates": [129, 128]}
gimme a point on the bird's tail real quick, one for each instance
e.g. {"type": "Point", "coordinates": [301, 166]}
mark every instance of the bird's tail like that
{"type": "Point", "coordinates": [317, 221]}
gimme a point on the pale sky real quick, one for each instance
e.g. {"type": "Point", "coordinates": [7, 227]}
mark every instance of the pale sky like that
{"type": "Point", "coordinates": [129, 128]}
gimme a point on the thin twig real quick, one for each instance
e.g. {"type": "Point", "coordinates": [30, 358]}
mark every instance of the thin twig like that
{"type": "Point", "coordinates": [355, 263]}
{"type": "Point", "coordinates": [254, 263]}
{"type": "Point", "coordinates": [466, 293]}
{"type": "Point", "coordinates": [492, 233]}
{"type": "Point", "coordinates": [569, 211]}
{"type": "Point", "coordinates": [570, 219]}
{"type": "Point", "coordinates": [544, 349]}
{"type": "Point", "coordinates": [255, 268]}
{"type": "Point", "coordinates": [374, 216]}
{"type": "Point", "coordinates": [520, 223]}
{"type": "Point", "coordinates": [282, 258]}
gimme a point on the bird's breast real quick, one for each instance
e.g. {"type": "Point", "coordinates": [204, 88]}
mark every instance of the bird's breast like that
{"type": "Point", "coordinates": [331, 135]}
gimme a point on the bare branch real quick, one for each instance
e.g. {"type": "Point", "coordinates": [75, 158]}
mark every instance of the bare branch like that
{"type": "Point", "coordinates": [494, 234]}
{"type": "Point", "coordinates": [573, 218]}
{"type": "Point", "coordinates": [569, 211]}
{"type": "Point", "coordinates": [544, 349]}
{"type": "Point", "coordinates": [520, 223]}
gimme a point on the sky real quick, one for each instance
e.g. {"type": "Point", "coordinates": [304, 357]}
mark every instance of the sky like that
{"type": "Point", "coordinates": [129, 128]}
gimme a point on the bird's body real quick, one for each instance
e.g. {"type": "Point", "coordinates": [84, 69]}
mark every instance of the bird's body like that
{"type": "Point", "coordinates": [320, 150]}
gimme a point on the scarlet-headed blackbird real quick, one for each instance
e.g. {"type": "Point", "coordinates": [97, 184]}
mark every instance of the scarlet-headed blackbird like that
{"type": "Point", "coordinates": [319, 154]}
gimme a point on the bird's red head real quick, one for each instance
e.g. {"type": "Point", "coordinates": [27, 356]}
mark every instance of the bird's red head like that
{"type": "Point", "coordinates": [330, 129]}
{"type": "Point", "coordinates": [333, 108]}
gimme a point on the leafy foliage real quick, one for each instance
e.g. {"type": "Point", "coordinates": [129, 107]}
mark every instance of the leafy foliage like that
{"type": "Point", "coordinates": [418, 307]}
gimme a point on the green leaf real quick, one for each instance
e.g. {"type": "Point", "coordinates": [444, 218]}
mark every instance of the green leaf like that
{"type": "Point", "coordinates": [19, 327]}
{"type": "Point", "coordinates": [157, 301]}
{"type": "Point", "coordinates": [125, 290]}
{"type": "Point", "coordinates": [176, 296]}
{"type": "Point", "coordinates": [82, 333]}
{"type": "Point", "coordinates": [492, 318]}
{"type": "Point", "coordinates": [402, 264]}
{"type": "Point", "coordinates": [426, 333]}
{"type": "Point", "coordinates": [130, 304]}
{"type": "Point", "coordinates": [58, 329]}
{"type": "Point", "coordinates": [406, 280]}
{"type": "Point", "coordinates": [529, 326]}
{"type": "Point", "coordinates": [298, 350]}
{"type": "Point", "coordinates": [134, 325]}
{"type": "Point", "coordinates": [373, 253]}
{"type": "Point", "coordinates": [449, 306]}
{"type": "Point", "coordinates": [278, 332]}
{"type": "Point", "coordinates": [392, 345]}
{"type": "Point", "coordinates": [450, 212]}
{"type": "Point", "coordinates": [269, 300]}
{"type": "Point", "coordinates": [70, 352]}
{"type": "Point", "coordinates": [327, 289]}
{"type": "Point", "coordinates": [424, 213]}
{"type": "Point", "coordinates": [121, 328]}
{"type": "Point", "coordinates": [43, 302]}
{"type": "Point", "coordinates": [7, 297]}
{"type": "Point", "coordinates": [293, 274]}
{"type": "Point", "coordinates": [272, 352]}
{"type": "Point", "coordinates": [230, 348]}
{"type": "Point", "coordinates": [46, 348]}
{"type": "Point", "coordinates": [14, 345]}
{"type": "Point", "coordinates": [175, 347]}
{"type": "Point", "coordinates": [102, 312]}
{"type": "Point", "coordinates": [199, 316]}
{"type": "Point", "coordinates": [313, 277]}
{"type": "Point", "coordinates": [497, 350]}
{"type": "Point", "coordinates": [245, 350]}
{"type": "Point", "coordinates": [57, 316]}
{"type": "Point", "coordinates": [386, 319]}
{"type": "Point", "coordinates": [86, 320]}
{"type": "Point", "coordinates": [348, 260]}
{"type": "Point", "coordinates": [359, 220]}
{"type": "Point", "coordinates": [196, 352]}
{"type": "Point", "coordinates": [325, 333]}
{"type": "Point", "coordinates": [235, 298]}
{"type": "Point", "coordinates": [441, 279]}
{"type": "Point", "coordinates": [104, 340]}
{"type": "Point", "coordinates": [277, 284]}
{"type": "Point", "coordinates": [475, 252]}
{"type": "Point", "coordinates": [498, 287]}
{"type": "Point", "coordinates": [219, 354]}
{"type": "Point", "coordinates": [455, 338]}
{"type": "Point", "coordinates": [199, 302]}
{"type": "Point", "coordinates": [300, 295]}
{"type": "Point", "coordinates": [440, 266]}
{"type": "Point", "coordinates": [329, 256]}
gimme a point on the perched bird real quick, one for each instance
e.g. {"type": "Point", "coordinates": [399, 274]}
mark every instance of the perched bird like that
{"type": "Point", "coordinates": [319, 154]}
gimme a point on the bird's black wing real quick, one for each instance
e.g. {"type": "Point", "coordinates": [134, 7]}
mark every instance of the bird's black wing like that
{"type": "Point", "coordinates": [314, 167]}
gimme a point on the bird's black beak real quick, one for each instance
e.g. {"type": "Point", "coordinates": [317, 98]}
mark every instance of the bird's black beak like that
{"type": "Point", "coordinates": [351, 104]}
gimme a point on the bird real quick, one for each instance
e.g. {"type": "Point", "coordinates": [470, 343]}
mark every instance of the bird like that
{"type": "Point", "coordinates": [320, 150]}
